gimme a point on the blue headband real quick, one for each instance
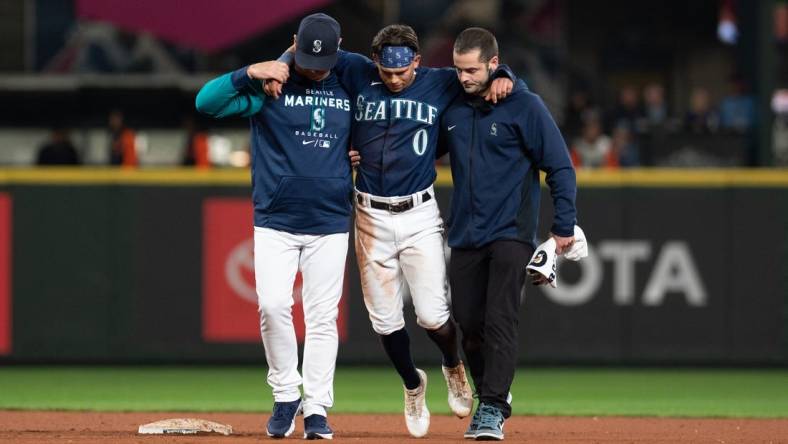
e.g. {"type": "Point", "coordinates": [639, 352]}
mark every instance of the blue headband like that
{"type": "Point", "coordinates": [396, 56]}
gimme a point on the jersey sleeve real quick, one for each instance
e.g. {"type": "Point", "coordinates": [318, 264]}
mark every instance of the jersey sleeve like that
{"type": "Point", "coordinates": [353, 71]}
{"type": "Point", "coordinates": [287, 57]}
{"type": "Point", "coordinates": [447, 77]}
{"type": "Point", "coordinates": [231, 94]}
{"type": "Point", "coordinates": [443, 79]}
{"type": "Point", "coordinates": [503, 71]}
{"type": "Point", "coordinates": [545, 145]}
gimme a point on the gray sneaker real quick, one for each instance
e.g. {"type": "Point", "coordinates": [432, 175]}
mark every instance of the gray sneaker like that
{"type": "Point", "coordinates": [470, 433]}
{"type": "Point", "coordinates": [490, 424]}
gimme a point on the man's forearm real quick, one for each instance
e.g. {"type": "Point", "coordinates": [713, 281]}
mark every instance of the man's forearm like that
{"type": "Point", "coordinates": [287, 57]}
{"type": "Point", "coordinates": [563, 189]}
{"type": "Point", "coordinates": [222, 96]}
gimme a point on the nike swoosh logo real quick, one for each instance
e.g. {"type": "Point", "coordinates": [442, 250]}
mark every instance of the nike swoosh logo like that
{"type": "Point", "coordinates": [451, 127]}
{"type": "Point", "coordinates": [307, 142]}
{"type": "Point", "coordinates": [375, 83]}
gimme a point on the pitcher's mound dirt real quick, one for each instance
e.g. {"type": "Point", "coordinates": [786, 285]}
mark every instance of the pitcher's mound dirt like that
{"type": "Point", "coordinates": [93, 427]}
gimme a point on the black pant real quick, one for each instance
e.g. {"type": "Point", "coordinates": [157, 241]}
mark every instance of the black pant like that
{"type": "Point", "coordinates": [486, 284]}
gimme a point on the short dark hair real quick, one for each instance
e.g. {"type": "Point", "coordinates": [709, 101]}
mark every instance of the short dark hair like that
{"type": "Point", "coordinates": [477, 38]}
{"type": "Point", "coordinates": [395, 35]}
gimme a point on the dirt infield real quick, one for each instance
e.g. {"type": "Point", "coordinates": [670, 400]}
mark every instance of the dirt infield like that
{"type": "Point", "coordinates": [91, 427]}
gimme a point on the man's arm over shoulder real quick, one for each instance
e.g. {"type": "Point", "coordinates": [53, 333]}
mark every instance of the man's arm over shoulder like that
{"type": "Point", "coordinates": [503, 71]}
{"type": "Point", "coordinates": [502, 82]}
{"type": "Point", "coordinates": [352, 60]}
{"type": "Point", "coordinates": [353, 71]}
{"type": "Point", "coordinates": [230, 94]}
{"type": "Point", "coordinates": [544, 143]}
{"type": "Point", "coordinates": [345, 60]}
{"type": "Point", "coordinates": [449, 74]}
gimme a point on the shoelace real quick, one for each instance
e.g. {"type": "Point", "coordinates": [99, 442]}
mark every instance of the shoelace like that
{"type": "Point", "coordinates": [413, 405]}
{"type": "Point", "coordinates": [489, 418]}
{"type": "Point", "coordinates": [457, 383]}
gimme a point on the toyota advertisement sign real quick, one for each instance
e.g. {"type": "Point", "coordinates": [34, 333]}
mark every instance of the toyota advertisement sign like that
{"type": "Point", "coordinates": [166, 274]}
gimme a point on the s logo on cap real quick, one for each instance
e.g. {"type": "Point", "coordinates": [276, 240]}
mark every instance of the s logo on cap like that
{"type": "Point", "coordinates": [317, 45]}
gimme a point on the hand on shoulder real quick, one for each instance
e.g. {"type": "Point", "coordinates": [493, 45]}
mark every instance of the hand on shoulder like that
{"type": "Point", "coordinates": [499, 89]}
{"type": "Point", "coordinates": [269, 70]}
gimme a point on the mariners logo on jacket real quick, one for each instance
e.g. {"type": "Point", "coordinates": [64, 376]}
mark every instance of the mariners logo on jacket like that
{"type": "Point", "coordinates": [318, 119]}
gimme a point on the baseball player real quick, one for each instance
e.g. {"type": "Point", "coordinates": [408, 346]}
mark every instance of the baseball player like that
{"type": "Point", "coordinates": [399, 231]}
{"type": "Point", "coordinates": [302, 193]}
{"type": "Point", "coordinates": [497, 151]}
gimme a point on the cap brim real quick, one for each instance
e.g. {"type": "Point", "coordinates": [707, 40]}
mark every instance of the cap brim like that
{"type": "Point", "coordinates": [321, 63]}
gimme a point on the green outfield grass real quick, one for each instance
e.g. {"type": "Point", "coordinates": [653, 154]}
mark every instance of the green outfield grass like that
{"type": "Point", "coordinates": [564, 391]}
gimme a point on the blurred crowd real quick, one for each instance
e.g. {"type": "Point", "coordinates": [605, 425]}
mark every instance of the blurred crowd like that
{"type": "Point", "coordinates": [613, 137]}
{"type": "Point", "coordinates": [123, 145]}
{"type": "Point", "coordinates": [632, 110]}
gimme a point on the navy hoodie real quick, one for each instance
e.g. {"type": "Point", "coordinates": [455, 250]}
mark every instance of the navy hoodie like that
{"type": "Point", "coordinates": [496, 154]}
{"type": "Point", "coordinates": [300, 170]}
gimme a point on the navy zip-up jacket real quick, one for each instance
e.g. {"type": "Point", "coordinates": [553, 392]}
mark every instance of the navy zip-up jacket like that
{"type": "Point", "coordinates": [397, 133]}
{"type": "Point", "coordinates": [496, 154]}
{"type": "Point", "coordinates": [301, 181]}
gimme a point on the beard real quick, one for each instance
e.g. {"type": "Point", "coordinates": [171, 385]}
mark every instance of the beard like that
{"type": "Point", "coordinates": [479, 87]}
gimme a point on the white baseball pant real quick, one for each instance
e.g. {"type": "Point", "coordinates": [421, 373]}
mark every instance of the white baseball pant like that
{"type": "Point", "coordinates": [399, 249]}
{"type": "Point", "coordinates": [278, 255]}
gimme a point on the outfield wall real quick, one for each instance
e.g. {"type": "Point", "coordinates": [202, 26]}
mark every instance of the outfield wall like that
{"type": "Point", "coordinates": [155, 266]}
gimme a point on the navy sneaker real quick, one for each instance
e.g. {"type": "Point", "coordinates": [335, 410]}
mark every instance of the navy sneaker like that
{"type": "Point", "coordinates": [316, 427]}
{"type": "Point", "coordinates": [282, 420]}
{"type": "Point", "coordinates": [490, 423]}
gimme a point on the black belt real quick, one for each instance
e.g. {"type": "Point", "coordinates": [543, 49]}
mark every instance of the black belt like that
{"type": "Point", "coordinates": [398, 207]}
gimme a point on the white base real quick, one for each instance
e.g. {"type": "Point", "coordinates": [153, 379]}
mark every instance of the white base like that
{"type": "Point", "coordinates": [184, 426]}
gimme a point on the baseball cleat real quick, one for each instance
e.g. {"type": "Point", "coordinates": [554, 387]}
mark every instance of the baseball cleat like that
{"type": "Point", "coordinates": [417, 417]}
{"type": "Point", "coordinates": [460, 394]}
{"type": "Point", "coordinates": [316, 427]}
{"type": "Point", "coordinates": [282, 421]}
{"type": "Point", "coordinates": [490, 424]}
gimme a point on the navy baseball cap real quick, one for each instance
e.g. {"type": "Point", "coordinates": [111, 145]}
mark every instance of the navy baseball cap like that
{"type": "Point", "coordinates": [317, 42]}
